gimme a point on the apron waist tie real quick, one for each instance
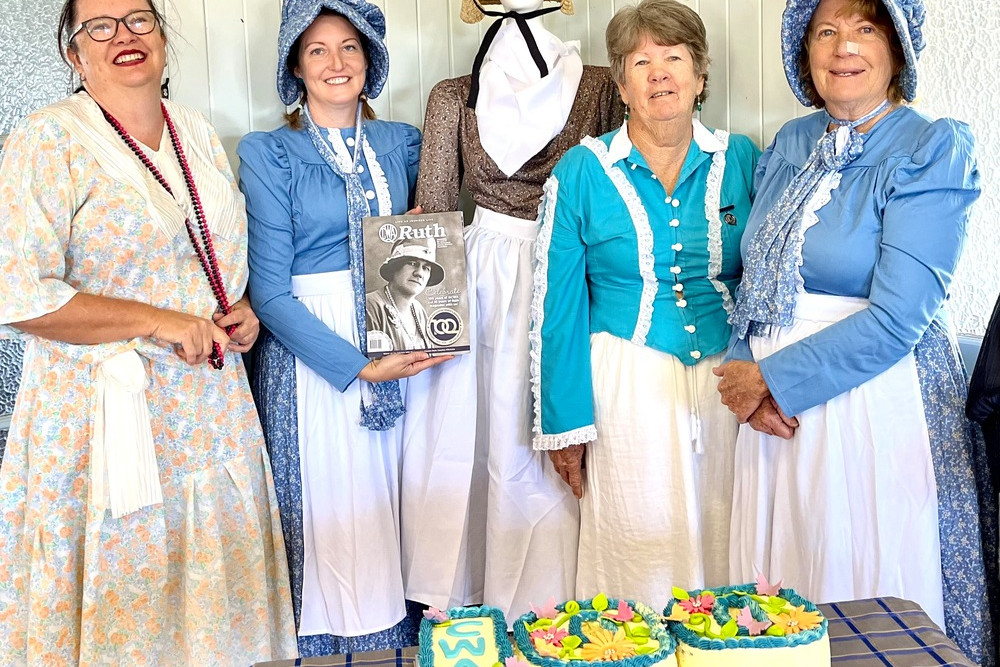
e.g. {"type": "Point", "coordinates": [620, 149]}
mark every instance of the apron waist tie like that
{"type": "Point", "coordinates": [123, 470]}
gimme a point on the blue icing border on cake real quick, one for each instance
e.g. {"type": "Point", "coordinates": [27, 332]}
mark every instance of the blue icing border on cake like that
{"type": "Point", "coordinates": [692, 638]}
{"type": "Point", "coordinates": [425, 653]}
{"type": "Point", "coordinates": [657, 631]}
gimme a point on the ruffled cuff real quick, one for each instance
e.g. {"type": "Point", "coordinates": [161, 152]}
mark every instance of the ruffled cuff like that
{"type": "Point", "coordinates": [552, 441]}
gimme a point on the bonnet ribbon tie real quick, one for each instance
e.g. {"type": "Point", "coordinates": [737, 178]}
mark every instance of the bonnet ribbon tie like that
{"type": "Point", "coordinates": [387, 402]}
{"type": "Point", "coordinates": [522, 23]}
{"type": "Point", "coordinates": [771, 276]}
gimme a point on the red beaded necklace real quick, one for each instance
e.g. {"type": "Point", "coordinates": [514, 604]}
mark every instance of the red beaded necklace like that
{"type": "Point", "coordinates": [204, 250]}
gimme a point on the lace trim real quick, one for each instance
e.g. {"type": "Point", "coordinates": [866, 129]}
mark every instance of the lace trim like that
{"type": "Point", "coordinates": [643, 233]}
{"type": "Point", "coordinates": [379, 179]}
{"type": "Point", "coordinates": [539, 287]}
{"type": "Point", "coordinates": [713, 202]}
{"type": "Point", "coordinates": [820, 198]}
{"type": "Point", "coordinates": [340, 150]}
{"type": "Point", "coordinates": [577, 436]}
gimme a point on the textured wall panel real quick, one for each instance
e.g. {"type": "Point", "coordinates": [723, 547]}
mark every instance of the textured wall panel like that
{"type": "Point", "coordinates": [959, 77]}
{"type": "Point", "coordinates": [31, 72]}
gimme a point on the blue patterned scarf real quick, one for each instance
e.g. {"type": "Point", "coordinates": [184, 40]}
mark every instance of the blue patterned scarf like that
{"type": "Point", "coordinates": [771, 276]}
{"type": "Point", "coordinates": [387, 402]}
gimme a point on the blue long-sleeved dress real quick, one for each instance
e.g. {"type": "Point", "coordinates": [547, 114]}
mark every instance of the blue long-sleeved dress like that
{"type": "Point", "coordinates": [892, 233]}
{"type": "Point", "coordinates": [297, 211]}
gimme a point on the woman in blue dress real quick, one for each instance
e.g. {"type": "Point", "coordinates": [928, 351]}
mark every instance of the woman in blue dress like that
{"type": "Point", "coordinates": [857, 474]}
{"type": "Point", "coordinates": [329, 413]}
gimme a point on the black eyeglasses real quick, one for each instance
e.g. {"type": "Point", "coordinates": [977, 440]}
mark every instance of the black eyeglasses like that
{"type": "Point", "coordinates": [104, 28]}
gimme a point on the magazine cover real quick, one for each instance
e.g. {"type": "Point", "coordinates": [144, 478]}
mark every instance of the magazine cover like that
{"type": "Point", "coordinates": [415, 284]}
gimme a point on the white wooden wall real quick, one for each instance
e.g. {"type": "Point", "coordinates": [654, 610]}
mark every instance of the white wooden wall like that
{"type": "Point", "coordinates": [225, 55]}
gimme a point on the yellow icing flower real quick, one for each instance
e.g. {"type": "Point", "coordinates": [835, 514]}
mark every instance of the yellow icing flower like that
{"type": "Point", "coordinates": [607, 646]}
{"type": "Point", "coordinates": [678, 613]}
{"type": "Point", "coordinates": [796, 620]}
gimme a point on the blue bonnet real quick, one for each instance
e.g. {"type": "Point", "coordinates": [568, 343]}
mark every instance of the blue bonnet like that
{"type": "Point", "coordinates": [298, 15]}
{"type": "Point", "coordinates": [907, 16]}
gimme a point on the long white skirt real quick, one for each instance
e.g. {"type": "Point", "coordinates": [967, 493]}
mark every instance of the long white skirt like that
{"type": "Point", "coordinates": [658, 498]}
{"type": "Point", "coordinates": [351, 575]}
{"type": "Point", "coordinates": [847, 509]}
{"type": "Point", "coordinates": [507, 531]}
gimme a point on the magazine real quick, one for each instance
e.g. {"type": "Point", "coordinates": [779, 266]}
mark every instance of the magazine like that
{"type": "Point", "coordinates": [416, 291]}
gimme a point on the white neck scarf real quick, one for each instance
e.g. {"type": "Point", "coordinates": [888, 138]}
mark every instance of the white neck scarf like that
{"type": "Point", "coordinates": [513, 96]}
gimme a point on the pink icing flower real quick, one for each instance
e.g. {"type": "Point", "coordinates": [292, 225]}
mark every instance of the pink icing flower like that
{"type": "Point", "coordinates": [550, 635]}
{"type": "Point", "coordinates": [753, 626]}
{"type": "Point", "coordinates": [624, 612]}
{"type": "Point", "coordinates": [699, 604]}
{"type": "Point", "coordinates": [516, 662]}
{"type": "Point", "coordinates": [547, 610]}
{"type": "Point", "coordinates": [435, 614]}
{"type": "Point", "coordinates": [545, 649]}
{"type": "Point", "coordinates": [765, 588]}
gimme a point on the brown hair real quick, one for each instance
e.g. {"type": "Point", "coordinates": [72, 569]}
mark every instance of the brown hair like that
{"type": "Point", "coordinates": [294, 118]}
{"type": "Point", "coordinates": [874, 12]}
{"type": "Point", "coordinates": [666, 22]}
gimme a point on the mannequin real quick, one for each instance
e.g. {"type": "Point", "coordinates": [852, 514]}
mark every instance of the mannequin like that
{"type": "Point", "coordinates": [487, 519]}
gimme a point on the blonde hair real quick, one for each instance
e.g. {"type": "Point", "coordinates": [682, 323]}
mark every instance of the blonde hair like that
{"type": "Point", "coordinates": [294, 117]}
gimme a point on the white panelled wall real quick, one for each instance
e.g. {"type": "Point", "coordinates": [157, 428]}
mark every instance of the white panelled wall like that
{"type": "Point", "coordinates": [225, 55]}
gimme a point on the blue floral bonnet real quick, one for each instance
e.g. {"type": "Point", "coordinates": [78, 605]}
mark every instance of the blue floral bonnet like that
{"type": "Point", "coordinates": [297, 15]}
{"type": "Point", "coordinates": [907, 15]}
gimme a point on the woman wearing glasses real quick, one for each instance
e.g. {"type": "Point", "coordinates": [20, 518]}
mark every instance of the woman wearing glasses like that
{"type": "Point", "coordinates": [139, 519]}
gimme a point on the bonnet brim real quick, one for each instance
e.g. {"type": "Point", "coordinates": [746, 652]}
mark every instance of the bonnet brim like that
{"type": "Point", "coordinates": [907, 17]}
{"type": "Point", "coordinates": [298, 15]}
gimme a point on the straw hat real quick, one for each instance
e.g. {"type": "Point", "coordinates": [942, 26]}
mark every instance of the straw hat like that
{"type": "Point", "coordinates": [471, 14]}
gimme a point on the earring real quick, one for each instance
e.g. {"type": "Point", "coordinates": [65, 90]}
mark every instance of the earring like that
{"type": "Point", "coordinates": [626, 112]}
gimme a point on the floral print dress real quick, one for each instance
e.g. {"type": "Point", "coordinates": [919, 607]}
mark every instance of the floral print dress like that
{"type": "Point", "coordinates": [201, 578]}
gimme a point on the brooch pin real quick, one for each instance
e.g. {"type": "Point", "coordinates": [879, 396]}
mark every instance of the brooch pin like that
{"type": "Point", "coordinates": [729, 218]}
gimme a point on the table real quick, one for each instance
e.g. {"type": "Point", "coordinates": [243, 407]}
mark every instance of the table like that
{"type": "Point", "coordinates": [885, 632]}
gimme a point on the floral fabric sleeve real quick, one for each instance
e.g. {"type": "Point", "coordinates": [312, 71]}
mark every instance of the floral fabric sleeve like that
{"type": "Point", "coordinates": [36, 211]}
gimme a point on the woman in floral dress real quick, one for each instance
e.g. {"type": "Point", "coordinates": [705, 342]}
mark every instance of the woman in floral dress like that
{"type": "Point", "coordinates": [139, 523]}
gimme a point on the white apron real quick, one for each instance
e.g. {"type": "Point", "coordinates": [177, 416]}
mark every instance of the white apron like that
{"type": "Point", "coordinates": [517, 522]}
{"type": "Point", "coordinates": [351, 576]}
{"type": "Point", "coordinates": [657, 503]}
{"type": "Point", "coordinates": [443, 524]}
{"type": "Point", "coordinates": [532, 521]}
{"type": "Point", "coordinates": [847, 509]}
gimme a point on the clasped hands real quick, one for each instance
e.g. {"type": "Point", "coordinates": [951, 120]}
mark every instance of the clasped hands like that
{"type": "Point", "coordinates": [745, 393]}
{"type": "Point", "coordinates": [193, 337]}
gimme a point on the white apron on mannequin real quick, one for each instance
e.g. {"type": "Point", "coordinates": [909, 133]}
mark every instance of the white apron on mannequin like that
{"type": "Point", "coordinates": [823, 510]}
{"type": "Point", "coordinates": [485, 518]}
{"type": "Point", "coordinates": [350, 489]}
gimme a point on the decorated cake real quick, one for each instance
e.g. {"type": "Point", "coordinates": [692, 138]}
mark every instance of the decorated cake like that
{"type": "Point", "coordinates": [464, 637]}
{"type": "Point", "coordinates": [755, 625]}
{"type": "Point", "coordinates": [616, 633]}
